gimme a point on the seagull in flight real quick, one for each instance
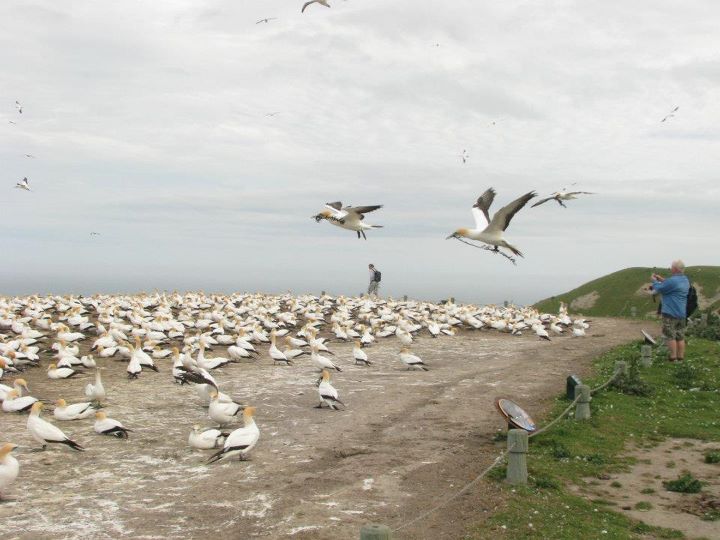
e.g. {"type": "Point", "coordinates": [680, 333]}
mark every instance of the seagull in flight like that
{"type": "Point", "coordinates": [273, 113]}
{"type": "Point", "coordinates": [349, 217]}
{"type": "Point", "coordinates": [490, 231]}
{"type": "Point", "coordinates": [563, 195]}
{"type": "Point", "coordinates": [321, 2]}
{"type": "Point", "coordinates": [23, 184]}
{"type": "Point", "coordinates": [464, 156]}
{"type": "Point", "coordinates": [11, 122]}
{"type": "Point", "coordinates": [266, 20]}
{"type": "Point", "coordinates": [18, 106]}
{"type": "Point", "coordinates": [670, 114]}
{"type": "Point", "coordinates": [94, 234]}
{"type": "Point", "coordinates": [29, 155]}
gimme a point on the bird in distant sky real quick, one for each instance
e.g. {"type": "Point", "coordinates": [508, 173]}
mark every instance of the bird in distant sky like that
{"type": "Point", "coordinates": [94, 234]}
{"type": "Point", "coordinates": [11, 122]}
{"type": "Point", "coordinates": [273, 113]}
{"type": "Point", "coordinates": [464, 156]}
{"type": "Point", "coordinates": [18, 106]}
{"type": "Point", "coordinates": [266, 20]}
{"type": "Point", "coordinates": [29, 155]}
{"type": "Point", "coordinates": [490, 231]}
{"type": "Point", "coordinates": [23, 184]}
{"type": "Point", "coordinates": [321, 2]}
{"type": "Point", "coordinates": [563, 195]}
{"type": "Point", "coordinates": [670, 114]}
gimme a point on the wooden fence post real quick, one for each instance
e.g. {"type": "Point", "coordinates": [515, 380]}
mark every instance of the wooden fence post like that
{"type": "Point", "coordinates": [646, 356]}
{"type": "Point", "coordinates": [517, 444]}
{"type": "Point", "coordinates": [582, 409]}
{"type": "Point", "coordinates": [621, 366]}
{"type": "Point", "coordinates": [374, 531]}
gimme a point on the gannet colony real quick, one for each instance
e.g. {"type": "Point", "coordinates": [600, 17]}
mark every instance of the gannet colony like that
{"type": "Point", "coordinates": [188, 337]}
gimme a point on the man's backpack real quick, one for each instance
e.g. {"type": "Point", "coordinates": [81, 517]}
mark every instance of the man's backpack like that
{"type": "Point", "coordinates": [378, 276]}
{"type": "Point", "coordinates": [692, 301]}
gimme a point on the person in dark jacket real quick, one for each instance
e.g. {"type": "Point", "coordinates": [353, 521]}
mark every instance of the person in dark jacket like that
{"type": "Point", "coordinates": [374, 280]}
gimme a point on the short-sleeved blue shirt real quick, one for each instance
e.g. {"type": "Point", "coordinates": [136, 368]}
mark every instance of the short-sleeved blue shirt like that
{"type": "Point", "coordinates": [674, 291]}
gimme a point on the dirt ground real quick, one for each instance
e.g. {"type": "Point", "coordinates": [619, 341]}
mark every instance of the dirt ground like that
{"type": "Point", "coordinates": [407, 440]}
{"type": "Point", "coordinates": [643, 484]}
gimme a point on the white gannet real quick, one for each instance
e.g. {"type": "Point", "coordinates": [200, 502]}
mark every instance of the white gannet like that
{"type": "Point", "coordinates": [206, 439]}
{"type": "Point", "coordinates": [360, 355]}
{"type": "Point", "coordinates": [578, 331]}
{"type": "Point", "coordinates": [349, 217]}
{"type": "Point", "coordinates": [5, 367]}
{"type": "Point", "coordinates": [562, 195]}
{"type": "Point", "coordinates": [328, 393]}
{"type": "Point", "coordinates": [95, 392]}
{"type": "Point", "coordinates": [490, 231]}
{"type": "Point", "coordinates": [107, 426]}
{"type": "Point", "coordinates": [46, 433]}
{"type": "Point", "coordinates": [54, 372]}
{"type": "Point", "coordinates": [412, 361]}
{"type": "Point", "coordinates": [306, 4]}
{"type": "Point", "coordinates": [23, 184]}
{"type": "Point", "coordinates": [241, 441]}
{"type": "Point", "coordinates": [222, 412]}
{"type": "Point", "coordinates": [291, 353]}
{"type": "Point", "coordinates": [18, 385]}
{"type": "Point", "coordinates": [13, 402]}
{"type": "Point", "coordinates": [276, 354]}
{"type": "Point", "coordinates": [75, 411]}
{"type": "Point", "coordinates": [9, 467]}
{"type": "Point", "coordinates": [321, 361]}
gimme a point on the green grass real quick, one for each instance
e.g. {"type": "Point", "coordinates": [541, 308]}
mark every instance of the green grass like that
{"type": "Point", "coordinates": [712, 456]}
{"type": "Point", "coordinates": [617, 292]}
{"type": "Point", "coordinates": [595, 448]}
{"type": "Point", "coordinates": [685, 483]}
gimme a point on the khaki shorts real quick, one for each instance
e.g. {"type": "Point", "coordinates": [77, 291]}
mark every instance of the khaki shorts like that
{"type": "Point", "coordinates": [673, 329]}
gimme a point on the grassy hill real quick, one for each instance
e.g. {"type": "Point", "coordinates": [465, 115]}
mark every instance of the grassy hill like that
{"type": "Point", "coordinates": [616, 294]}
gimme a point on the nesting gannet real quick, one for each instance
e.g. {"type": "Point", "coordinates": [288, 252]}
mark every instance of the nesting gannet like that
{"type": "Point", "coordinates": [46, 433]}
{"type": "Point", "coordinates": [276, 354]}
{"type": "Point", "coordinates": [490, 231]}
{"type": "Point", "coordinates": [328, 393]}
{"type": "Point", "coordinates": [321, 2]}
{"type": "Point", "coordinates": [206, 439]}
{"type": "Point", "coordinates": [321, 361]}
{"type": "Point", "coordinates": [95, 392]}
{"type": "Point", "coordinates": [241, 441]}
{"type": "Point", "coordinates": [75, 411]}
{"type": "Point", "coordinates": [54, 372]}
{"type": "Point", "coordinates": [360, 355]}
{"type": "Point", "coordinates": [23, 184]}
{"type": "Point", "coordinates": [107, 426]}
{"type": "Point", "coordinates": [18, 385]}
{"type": "Point", "coordinates": [223, 412]}
{"type": "Point", "coordinates": [578, 331]}
{"type": "Point", "coordinates": [6, 368]}
{"type": "Point", "coordinates": [412, 361]}
{"type": "Point", "coordinates": [563, 195]}
{"type": "Point", "coordinates": [13, 402]}
{"type": "Point", "coordinates": [349, 217]}
{"type": "Point", "coordinates": [291, 353]}
{"type": "Point", "coordinates": [9, 467]}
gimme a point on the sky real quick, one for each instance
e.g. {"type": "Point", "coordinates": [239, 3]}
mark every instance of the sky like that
{"type": "Point", "coordinates": [148, 123]}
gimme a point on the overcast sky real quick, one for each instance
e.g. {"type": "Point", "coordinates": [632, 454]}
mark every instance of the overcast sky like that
{"type": "Point", "coordinates": [148, 125]}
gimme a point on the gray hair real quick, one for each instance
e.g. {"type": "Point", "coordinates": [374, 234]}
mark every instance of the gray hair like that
{"type": "Point", "coordinates": [678, 265]}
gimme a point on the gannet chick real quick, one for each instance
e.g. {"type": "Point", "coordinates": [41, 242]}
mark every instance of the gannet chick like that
{"type": "Point", "coordinates": [412, 361]}
{"type": "Point", "coordinates": [76, 411]}
{"type": "Point", "coordinates": [207, 439]}
{"type": "Point", "coordinates": [108, 426]}
{"type": "Point", "coordinates": [55, 372]}
{"type": "Point", "coordinates": [9, 467]}
{"type": "Point", "coordinates": [327, 392]}
{"type": "Point", "coordinates": [241, 441]}
{"type": "Point", "coordinates": [360, 355]}
{"type": "Point", "coordinates": [14, 403]}
{"type": "Point", "coordinates": [46, 433]}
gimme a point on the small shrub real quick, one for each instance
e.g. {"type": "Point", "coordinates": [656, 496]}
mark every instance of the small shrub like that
{"type": "Point", "coordinates": [647, 491]}
{"type": "Point", "coordinates": [615, 484]}
{"type": "Point", "coordinates": [685, 376]}
{"type": "Point", "coordinates": [686, 483]}
{"type": "Point", "coordinates": [712, 456]}
{"type": "Point", "coordinates": [670, 464]}
{"type": "Point", "coordinates": [644, 506]}
{"type": "Point", "coordinates": [545, 482]}
{"type": "Point", "coordinates": [630, 383]}
{"type": "Point", "coordinates": [560, 451]}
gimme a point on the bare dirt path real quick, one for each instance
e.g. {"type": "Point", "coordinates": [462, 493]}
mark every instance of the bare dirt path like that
{"type": "Point", "coordinates": [406, 439]}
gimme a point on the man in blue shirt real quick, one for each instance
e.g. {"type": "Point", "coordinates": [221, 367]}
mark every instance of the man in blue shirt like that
{"type": "Point", "coordinates": [674, 291]}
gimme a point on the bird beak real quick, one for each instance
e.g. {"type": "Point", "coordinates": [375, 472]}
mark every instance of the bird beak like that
{"type": "Point", "coordinates": [317, 217]}
{"type": "Point", "coordinates": [453, 235]}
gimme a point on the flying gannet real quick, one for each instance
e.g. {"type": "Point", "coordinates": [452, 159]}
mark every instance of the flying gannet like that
{"type": "Point", "coordinates": [562, 195]}
{"type": "Point", "coordinates": [23, 184]}
{"type": "Point", "coordinates": [321, 2]}
{"type": "Point", "coordinates": [490, 231]}
{"type": "Point", "coordinates": [349, 217]}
